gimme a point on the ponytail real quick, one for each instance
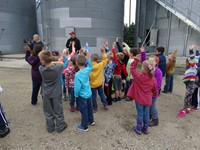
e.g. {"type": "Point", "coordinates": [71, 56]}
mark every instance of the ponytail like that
{"type": "Point", "coordinates": [149, 67]}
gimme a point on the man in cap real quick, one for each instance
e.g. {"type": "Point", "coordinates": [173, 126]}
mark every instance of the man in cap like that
{"type": "Point", "coordinates": [76, 40]}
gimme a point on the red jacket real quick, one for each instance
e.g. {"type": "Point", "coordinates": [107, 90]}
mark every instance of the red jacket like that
{"type": "Point", "coordinates": [120, 65]}
{"type": "Point", "coordinates": [143, 87]}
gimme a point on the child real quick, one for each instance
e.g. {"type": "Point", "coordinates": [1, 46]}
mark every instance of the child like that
{"type": "Point", "coordinates": [161, 59]}
{"type": "Point", "coordinates": [108, 75]}
{"type": "Point", "coordinates": [66, 55]}
{"type": "Point", "coordinates": [96, 79]}
{"type": "Point", "coordinates": [34, 61]}
{"type": "Point", "coordinates": [4, 130]}
{"type": "Point", "coordinates": [158, 77]}
{"type": "Point", "coordinates": [129, 79]}
{"type": "Point", "coordinates": [142, 90]}
{"type": "Point", "coordinates": [170, 72]}
{"type": "Point", "coordinates": [189, 80]}
{"type": "Point", "coordinates": [52, 92]}
{"type": "Point", "coordinates": [69, 81]}
{"type": "Point", "coordinates": [117, 73]}
{"type": "Point", "coordinates": [83, 93]}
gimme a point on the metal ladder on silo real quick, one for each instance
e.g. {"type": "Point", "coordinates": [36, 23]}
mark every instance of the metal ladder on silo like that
{"type": "Point", "coordinates": [193, 22]}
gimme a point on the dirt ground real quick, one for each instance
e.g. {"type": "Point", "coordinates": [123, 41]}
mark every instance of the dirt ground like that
{"type": "Point", "coordinates": [113, 129]}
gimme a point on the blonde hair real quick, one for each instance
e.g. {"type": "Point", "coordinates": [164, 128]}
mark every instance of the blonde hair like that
{"type": "Point", "coordinates": [65, 51]}
{"type": "Point", "coordinates": [148, 67]}
{"type": "Point", "coordinates": [110, 55]}
{"type": "Point", "coordinates": [46, 56]}
{"type": "Point", "coordinates": [155, 59]}
{"type": "Point", "coordinates": [120, 55]}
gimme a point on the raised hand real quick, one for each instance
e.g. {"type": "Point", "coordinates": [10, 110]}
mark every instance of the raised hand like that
{"type": "Point", "coordinates": [113, 45]}
{"type": "Point", "coordinates": [102, 50]}
{"type": "Point", "coordinates": [142, 49]}
{"type": "Point", "coordinates": [138, 56]}
{"type": "Point", "coordinates": [117, 39]}
{"type": "Point", "coordinates": [191, 47]}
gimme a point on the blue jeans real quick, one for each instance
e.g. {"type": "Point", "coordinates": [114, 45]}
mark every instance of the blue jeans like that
{"type": "Point", "coordinates": [153, 109]}
{"type": "Point", "coordinates": [35, 90]}
{"type": "Point", "coordinates": [169, 83]}
{"type": "Point", "coordinates": [128, 84]}
{"type": "Point", "coordinates": [86, 111]}
{"type": "Point", "coordinates": [94, 96]}
{"type": "Point", "coordinates": [142, 117]}
{"type": "Point", "coordinates": [72, 100]}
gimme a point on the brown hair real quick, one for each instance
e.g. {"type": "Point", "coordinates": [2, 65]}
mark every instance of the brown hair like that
{"type": "Point", "coordinates": [148, 67]}
{"type": "Point", "coordinates": [81, 60]}
{"type": "Point", "coordinates": [37, 49]}
{"type": "Point", "coordinates": [134, 51]}
{"type": "Point", "coordinates": [120, 55]}
{"type": "Point", "coordinates": [94, 57]}
{"type": "Point", "coordinates": [46, 56]}
{"type": "Point", "coordinates": [73, 60]}
{"type": "Point", "coordinates": [83, 51]}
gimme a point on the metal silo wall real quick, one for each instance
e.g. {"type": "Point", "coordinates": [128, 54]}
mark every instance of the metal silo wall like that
{"type": "Point", "coordinates": [94, 21]}
{"type": "Point", "coordinates": [17, 21]}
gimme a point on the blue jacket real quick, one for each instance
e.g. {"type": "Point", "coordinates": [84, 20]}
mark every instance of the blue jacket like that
{"type": "Point", "coordinates": [82, 83]}
{"type": "Point", "coordinates": [162, 63]}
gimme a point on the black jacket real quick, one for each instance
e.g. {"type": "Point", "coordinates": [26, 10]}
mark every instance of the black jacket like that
{"type": "Point", "coordinates": [77, 44]}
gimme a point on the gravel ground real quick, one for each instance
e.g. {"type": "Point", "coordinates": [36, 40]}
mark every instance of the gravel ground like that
{"type": "Point", "coordinates": [113, 129]}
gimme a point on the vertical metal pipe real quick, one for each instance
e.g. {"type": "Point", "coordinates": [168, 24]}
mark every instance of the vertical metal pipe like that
{"type": "Point", "coordinates": [129, 12]}
{"type": "Point", "coordinates": [186, 41]}
{"type": "Point", "coordinates": [168, 33]}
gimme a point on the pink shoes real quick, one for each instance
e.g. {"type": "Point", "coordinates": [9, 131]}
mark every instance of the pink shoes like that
{"type": "Point", "coordinates": [182, 113]}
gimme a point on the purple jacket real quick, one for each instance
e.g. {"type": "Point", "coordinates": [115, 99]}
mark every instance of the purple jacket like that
{"type": "Point", "coordinates": [34, 61]}
{"type": "Point", "coordinates": [158, 76]}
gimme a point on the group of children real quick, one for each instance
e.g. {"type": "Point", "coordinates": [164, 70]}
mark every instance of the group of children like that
{"type": "Point", "coordinates": [83, 76]}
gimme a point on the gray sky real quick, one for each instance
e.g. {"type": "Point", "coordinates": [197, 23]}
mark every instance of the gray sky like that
{"type": "Point", "coordinates": [126, 11]}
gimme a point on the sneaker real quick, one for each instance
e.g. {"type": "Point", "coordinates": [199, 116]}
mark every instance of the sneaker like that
{"type": "Point", "coordinates": [72, 109]}
{"type": "Point", "coordinates": [136, 131]}
{"type": "Point", "coordinates": [94, 110]}
{"type": "Point", "coordinates": [65, 97]}
{"type": "Point", "coordinates": [182, 113]}
{"type": "Point", "coordinates": [4, 132]}
{"type": "Point", "coordinates": [80, 128]}
{"type": "Point", "coordinates": [105, 107]}
{"type": "Point", "coordinates": [164, 92]}
{"type": "Point", "coordinates": [127, 99]}
{"type": "Point", "coordinates": [119, 99]}
{"type": "Point", "coordinates": [63, 128]}
{"type": "Point", "coordinates": [145, 131]}
{"type": "Point", "coordinates": [194, 109]}
{"type": "Point", "coordinates": [92, 123]}
{"type": "Point", "coordinates": [115, 99]}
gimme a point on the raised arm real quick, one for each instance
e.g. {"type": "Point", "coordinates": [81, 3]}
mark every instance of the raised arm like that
{"type": "Point", "coordinates": [143, 54]}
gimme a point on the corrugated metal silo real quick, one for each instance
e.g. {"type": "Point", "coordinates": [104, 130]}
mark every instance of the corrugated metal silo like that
{"type": "Point", "coordinates": [17, 21]}
{"type": "Point", "coordinates": [94, 21]}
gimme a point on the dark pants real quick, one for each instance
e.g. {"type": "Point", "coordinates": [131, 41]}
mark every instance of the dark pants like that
{"type": "Point", "coordinates": [94, 96]}
{"type": "Point", "coordinates": [169, 83]}
{"type": "Point", "coordinates": [108, 92]}
{"type": "Point", "coordinates": [195, 98]}
{"type": "Point", "coordinates": [3, 120]}
{"type": "Point", "coordinates": [190, 88]}
{"type": "Point", "coordinates": [35, 90]}
{"type": "Point", "coordinates": [128, 84]}
{"type": "Point", "coordinates": [73, 99]}
{"type": "Point", "coordinates": [86, 111]}
{"type": "Point", "coordinates": [142, 117]}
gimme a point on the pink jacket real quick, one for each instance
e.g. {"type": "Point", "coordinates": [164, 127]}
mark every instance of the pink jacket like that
{"type": "Point", "coordinates": [143, 87]}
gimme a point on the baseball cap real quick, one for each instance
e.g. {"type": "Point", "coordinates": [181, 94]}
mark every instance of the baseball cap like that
{"type": "Point", "coordinates": [72, 33]}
